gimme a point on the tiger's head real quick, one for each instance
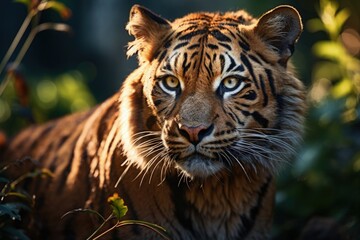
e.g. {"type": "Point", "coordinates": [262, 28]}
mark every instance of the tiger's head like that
{"type": "Point", "coordinates": [212, 92]}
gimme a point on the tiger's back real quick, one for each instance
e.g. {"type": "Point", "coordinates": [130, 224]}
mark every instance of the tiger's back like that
{"type": "Point", "coordinates": [193, 138]}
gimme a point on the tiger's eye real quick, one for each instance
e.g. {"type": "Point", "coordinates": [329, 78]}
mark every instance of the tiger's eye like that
{"type": "Point", "coordinates": [172, 82]}
{"type": "Point", "coordinates": [230, 82]}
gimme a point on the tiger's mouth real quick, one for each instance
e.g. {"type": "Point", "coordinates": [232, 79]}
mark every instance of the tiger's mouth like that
{"type": "Point", "coordinates": [199, 165]}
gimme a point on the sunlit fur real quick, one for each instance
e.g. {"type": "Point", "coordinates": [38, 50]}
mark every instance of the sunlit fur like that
{"type": "Point", "coordinates": [196, 155]}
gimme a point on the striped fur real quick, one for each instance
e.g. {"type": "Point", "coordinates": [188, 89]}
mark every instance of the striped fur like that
{"type": "Point", "coordinates": [191, 141]}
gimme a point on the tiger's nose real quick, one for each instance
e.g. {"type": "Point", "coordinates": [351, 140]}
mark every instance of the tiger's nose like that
{"type": "Point", "coordinates": [195, 134]}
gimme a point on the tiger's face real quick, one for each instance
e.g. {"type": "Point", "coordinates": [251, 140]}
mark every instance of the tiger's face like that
{"type": "Point", "coordinates": [216, 91]}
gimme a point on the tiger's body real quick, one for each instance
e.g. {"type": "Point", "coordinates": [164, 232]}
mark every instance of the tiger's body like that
{"type": "Point", "coordinates": [193, 138]}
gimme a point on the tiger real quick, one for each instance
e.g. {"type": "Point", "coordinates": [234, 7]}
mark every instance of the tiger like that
{"type": "Point", "coordinates": [193, 139]}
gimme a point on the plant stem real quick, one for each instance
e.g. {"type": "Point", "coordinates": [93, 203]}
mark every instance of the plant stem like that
{"type": "Point", "coordinates": [26, 45]}
{"type": "Point", "coordinates": [98, 229]}
{"type": "Point", "coordinates": [102, 234]}
{"type": "Point", "coordinates": [16, 40]}
{"type": "Point", "coordinates": [159, 230]}
{"type": "Point", "coordinates": [133, 222]}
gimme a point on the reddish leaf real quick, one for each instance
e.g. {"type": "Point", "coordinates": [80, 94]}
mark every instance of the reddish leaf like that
{"type": "Point", "coordinates": [2, 139]}
{"type": "Point", "coordinates": [21, 87]}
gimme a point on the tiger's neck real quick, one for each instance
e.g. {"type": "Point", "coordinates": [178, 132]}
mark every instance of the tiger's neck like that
{"type": "Point", "coordinates": [228, 203]}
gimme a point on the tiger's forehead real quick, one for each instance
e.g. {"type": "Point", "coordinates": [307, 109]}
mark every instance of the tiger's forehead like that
{"type": "Point", "coordinates": [214, 19]}
{"type": "Point", "coordinates": [205, 44]}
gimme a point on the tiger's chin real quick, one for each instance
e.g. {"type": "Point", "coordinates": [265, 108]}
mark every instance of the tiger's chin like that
{"type": "Point", "coordinates": [199, 166]}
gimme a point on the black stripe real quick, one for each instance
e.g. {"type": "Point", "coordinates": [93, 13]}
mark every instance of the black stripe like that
{"type": "Point", "coordinates": [229, 124]}
{"type": "Point", "coordinates": [220, 36]}
{"type": "Point", "coordinates": [184, 65]}
{"type": "Point", "coordinates": [162, 55]}
{"type": "Point", "coordinates": [232, 63]}
{"type": "Point", "coordinates": [239, 68]}
{"type": "Point", "coordinates": [181, 205]}
{"type": "Point", "coordinates": [227, 46]}
{"type": "Point", "coordinates": [150, 122]}
{"type": "Point", "coordinates": [271, 81]}
{"type": "Point", "coordinates": [182, 44]}
{"type": "Point", "coordinates": [157, 102]}
{"type": "Point", "coordinates": [213, 46]}
{"type": "Point", "coordinates": [255, 59]}
{"type": "Point", "coordinates": [214, 57]}
{"type": "Point", "coordinates": [248, 65]}
{"type": "Point", "coordinates": [60, 142]}
{"type": "Point", "coordinates": [193, 46]}
{"type": "Point", "coordinates": [66, 171]}
{"type": "Point", "coordinates": [169, 112]}
{"type": "Point", "coordinates": [237, 118]}
{"type": "Point", "coordinates": [168, 42]}
{"type": "Point", "coordinates": [222, 63]}
{"type": "Point", "coordinates": [167, 66]}
{"type": "Point", "coordinates": [263, 58]}
{"type": "Point", "coordinates": [209, 71]}
{"type": "Point", "coordinates": [193, 55]}
{"type": "Point", "coordinates": [44, 131]}
{"type": "Point", "coordinates": [260, 119]}
{"type": "Point", "coordinates": [243, 43]}
{"type": "Point", "coordinates": [230, 31]}
{"type": "Point", "coordinates": [245, 113]}
{"type": "Point", "coordinates": [194, 64]}
{"type": "Point", "coordinates": [244, 47]}
{"type": "Point", "coordinates": [249, 221]}
{"type": "Point", "coordinates": [190, 35]}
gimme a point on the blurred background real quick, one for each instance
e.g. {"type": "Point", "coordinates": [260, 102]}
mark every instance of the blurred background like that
{"type": "Point", "coordinates": [81, 61]}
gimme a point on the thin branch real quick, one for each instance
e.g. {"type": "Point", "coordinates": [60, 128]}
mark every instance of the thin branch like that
{"type": "Point", "coordinates": [42, 27]}
{"type": "Point", "coordinates": [16, 40]}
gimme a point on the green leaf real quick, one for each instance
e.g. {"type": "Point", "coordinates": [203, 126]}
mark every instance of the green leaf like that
{"type": "Point", "coordinates": [38, 172]}
{"type": "Point", "coordinates": [117, 205]}
{"type": "Point", "coordinates": [341, 17]}
{"type": "Point", "coordinates": [12, 210]}
{"type": "Point", "coordinates": [329, 50]}
{"type": "Point", "coordinates": [343, 88]}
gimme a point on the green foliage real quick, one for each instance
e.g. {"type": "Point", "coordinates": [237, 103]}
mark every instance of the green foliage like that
{"type": "Point", "coordinates": [44, 98]}
{"type": "Point", "coordinates": [117, 205]}
{"type": "Point", "coordinates": [15, 202]}
{"type": "Point", "coordinates": [326, 175]}
{"type": "Point", "coordinates": [119, 210]}
{"type": "Point", "coordinates": [25, 100]}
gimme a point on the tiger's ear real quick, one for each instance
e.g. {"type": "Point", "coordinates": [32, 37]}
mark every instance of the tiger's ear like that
{"type": "Point", "coordinates": [280, 28]}
{"type": "Point", "coordinates": [148, 30]}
